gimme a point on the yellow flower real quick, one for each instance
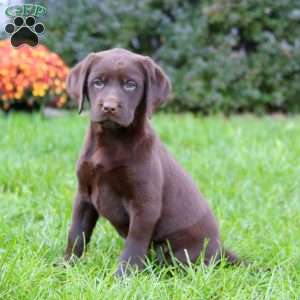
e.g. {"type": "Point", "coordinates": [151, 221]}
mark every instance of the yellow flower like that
{"type": "Point", "coordinates": [52, 73]}
{"type": "Point", "coordinates": [3, 72]}
{"type": "Point", "coordinates": [18, 95]}
{"type": "Point", "coordinates": [9, 86]}
{"type": "Point", "coordinates": [58, 90]}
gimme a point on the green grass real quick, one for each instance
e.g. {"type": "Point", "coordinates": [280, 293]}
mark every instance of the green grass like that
{"type": "Point", "coordinates": [248, 169]}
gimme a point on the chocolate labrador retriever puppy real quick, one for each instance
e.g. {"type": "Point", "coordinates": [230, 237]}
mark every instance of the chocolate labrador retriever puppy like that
{"type": "Point", "coordinates": [126, 174]}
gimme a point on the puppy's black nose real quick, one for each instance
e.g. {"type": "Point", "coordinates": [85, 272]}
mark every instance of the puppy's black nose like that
{"type": "Point", "coordinates": [109, 107]}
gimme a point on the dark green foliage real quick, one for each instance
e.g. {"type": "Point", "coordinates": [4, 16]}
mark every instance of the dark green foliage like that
{"type": "Point", "coordinates": [221, 55]}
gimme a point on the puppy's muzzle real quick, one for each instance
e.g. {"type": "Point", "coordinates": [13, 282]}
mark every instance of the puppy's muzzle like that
{"type": "Point", "coordinates": [109, 107]}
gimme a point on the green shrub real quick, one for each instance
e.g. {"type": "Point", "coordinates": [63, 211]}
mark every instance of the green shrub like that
{"type": "Point", "coordinates": [221, 55]}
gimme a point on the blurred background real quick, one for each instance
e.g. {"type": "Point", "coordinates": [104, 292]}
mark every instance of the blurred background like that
{"type": "Point", "coordinates": [233, 124]}
{"type": "Point", "coordinates": [221, 55]}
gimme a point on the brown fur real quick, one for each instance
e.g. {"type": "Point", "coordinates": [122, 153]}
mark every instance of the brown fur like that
{"type": "Point", "coordinates": [125, 173]}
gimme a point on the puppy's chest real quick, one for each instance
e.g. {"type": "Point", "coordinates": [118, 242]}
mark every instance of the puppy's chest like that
{"type": "Point", "coordinates": [111, 188]}
{"type": "Point", "coordinates": [111, 194]}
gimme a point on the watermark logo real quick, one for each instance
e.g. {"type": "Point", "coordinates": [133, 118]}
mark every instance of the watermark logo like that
{"type": "Point", "coordinates": [25, 29]}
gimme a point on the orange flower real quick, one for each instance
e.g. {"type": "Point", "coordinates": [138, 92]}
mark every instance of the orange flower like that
{"type": "Point", "coordinates": [35, 71]}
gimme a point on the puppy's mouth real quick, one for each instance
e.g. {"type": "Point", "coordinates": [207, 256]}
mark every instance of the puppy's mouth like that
{"type": "Point", "coordinates": [109, 124]}
{"type": "Point", "coordinates": [111, 121]}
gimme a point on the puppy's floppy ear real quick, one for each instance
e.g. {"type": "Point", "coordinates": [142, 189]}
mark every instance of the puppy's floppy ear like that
{"type": "Point", "coordinates": [157, 84]}
{"type": "Point", "coordinates": [76, 81]}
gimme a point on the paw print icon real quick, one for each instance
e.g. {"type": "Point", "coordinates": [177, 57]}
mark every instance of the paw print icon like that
{"type": "Point", "coordinates": [24, 31]}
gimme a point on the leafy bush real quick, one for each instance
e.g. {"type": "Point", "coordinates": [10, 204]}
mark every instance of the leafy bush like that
{"type": "Point", "coordinates": [221, 55]}
{"type": "Point", "coordinates": [31, 76]}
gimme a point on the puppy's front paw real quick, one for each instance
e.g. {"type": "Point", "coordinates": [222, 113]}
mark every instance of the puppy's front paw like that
{"type": "Point", "coordinates": [125, 269]}
{"type": "Point", "coordinates": [70, 259]}
{"type": "Point", "coordinates": [120, 273]}
{"type": "Point", "coordinates": [63, 262]}
{"type": "Point", "coordinates": [60, 264]}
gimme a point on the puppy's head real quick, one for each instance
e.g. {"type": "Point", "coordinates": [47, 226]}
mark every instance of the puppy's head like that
{"type": "Point", "coordinates": [116, 82]}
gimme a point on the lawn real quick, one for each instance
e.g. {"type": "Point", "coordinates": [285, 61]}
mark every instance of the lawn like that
{"type": "Point", "coordinates": [248, 169]}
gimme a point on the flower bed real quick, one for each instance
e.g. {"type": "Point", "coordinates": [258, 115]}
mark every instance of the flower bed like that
{"type": "Point", "coordinates": [31, 76]}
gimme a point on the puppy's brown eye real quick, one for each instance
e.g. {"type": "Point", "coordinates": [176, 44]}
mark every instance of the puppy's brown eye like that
{"type": "Point", "coordinates": [98, 83]}
{"type": "Point", "coordinates": [129, 85]}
